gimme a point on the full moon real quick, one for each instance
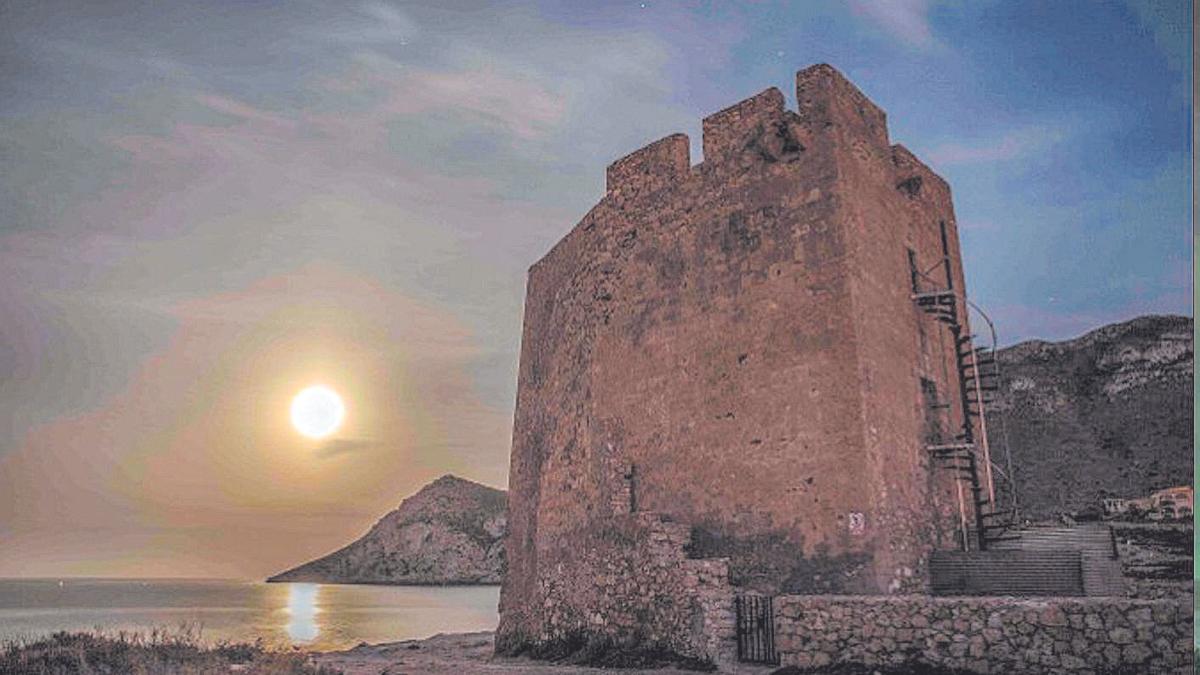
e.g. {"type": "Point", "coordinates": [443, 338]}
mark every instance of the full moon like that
{"type": "Point", "coordinates": [317, 411]}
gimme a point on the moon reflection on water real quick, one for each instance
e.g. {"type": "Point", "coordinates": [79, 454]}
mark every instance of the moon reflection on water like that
{"type": "Point", "coordinates": [302, 609]}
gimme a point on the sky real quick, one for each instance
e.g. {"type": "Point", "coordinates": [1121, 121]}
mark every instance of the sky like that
{"type": "Point", "coordinates": [206, 207]}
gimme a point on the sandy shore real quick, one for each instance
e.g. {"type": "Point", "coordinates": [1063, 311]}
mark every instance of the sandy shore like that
{"type": "Point", "coordinates": [458, 653]}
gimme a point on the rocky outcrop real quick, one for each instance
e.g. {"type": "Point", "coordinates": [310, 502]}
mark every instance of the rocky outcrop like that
{"type": "Point", "coordinates": [450, 532]}
{"type": "Point", "coordinates": [1108, 413]}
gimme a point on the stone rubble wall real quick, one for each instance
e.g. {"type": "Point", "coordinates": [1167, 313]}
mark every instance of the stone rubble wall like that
{"type": "Point", "coordinates": [988, 635]}
{"type": "Point", "coordinates": [631, 587]}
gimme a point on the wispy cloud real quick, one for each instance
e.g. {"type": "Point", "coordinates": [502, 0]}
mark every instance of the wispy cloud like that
{"type": "Point", "coordinates": [907, 20]}
{"type": "Point", "coordinates": [522, 106]}
{"type": "Point", "coordinates": [369, 23]}
{"type": "Point", "coordinates": [343, 446]}
{"type": "Point", "coordinates": [243, 112]}
{"type": "Point", "coordinates": [1012, 145]}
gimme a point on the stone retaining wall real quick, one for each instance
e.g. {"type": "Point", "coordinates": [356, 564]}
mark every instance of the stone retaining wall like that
{"type": "Point", "coordinates": [988, 635]}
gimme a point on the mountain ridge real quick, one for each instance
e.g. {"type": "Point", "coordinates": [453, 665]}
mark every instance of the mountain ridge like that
{"type": "Point", "coordinates": [1108, 413]}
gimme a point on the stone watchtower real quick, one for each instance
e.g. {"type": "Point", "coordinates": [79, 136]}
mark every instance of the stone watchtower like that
{"type": "Point", "coordinates": [735, 374]}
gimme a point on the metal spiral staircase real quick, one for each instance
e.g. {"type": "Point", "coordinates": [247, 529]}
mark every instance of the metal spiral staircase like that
{"type": "Point", "coordinates": [968, 454]}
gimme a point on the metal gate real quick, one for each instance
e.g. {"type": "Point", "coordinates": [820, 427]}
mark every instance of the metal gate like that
{"type": "Point", "coordinates": [756, 629]}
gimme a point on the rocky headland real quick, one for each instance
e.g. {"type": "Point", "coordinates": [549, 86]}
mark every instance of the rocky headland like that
{"type": "Point", "coordinates": [449, 532]}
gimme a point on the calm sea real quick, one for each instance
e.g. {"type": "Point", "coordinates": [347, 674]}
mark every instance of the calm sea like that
{"type": "Point", "coordinates": [314, 616]}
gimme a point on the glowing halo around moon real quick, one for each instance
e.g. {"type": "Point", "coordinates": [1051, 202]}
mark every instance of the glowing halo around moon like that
{"type": "Point", "coordinates": [317, 411]}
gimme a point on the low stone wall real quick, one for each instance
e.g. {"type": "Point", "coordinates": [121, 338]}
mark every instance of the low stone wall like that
{"type": "Point", "coordinates": [988, 635]}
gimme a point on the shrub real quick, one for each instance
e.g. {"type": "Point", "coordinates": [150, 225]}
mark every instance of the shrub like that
{"type": "Point", "coordinates": [133, 653]}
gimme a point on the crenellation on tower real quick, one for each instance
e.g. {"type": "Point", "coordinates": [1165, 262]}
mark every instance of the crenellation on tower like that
{"type": "Point", "coordinates": [732, 132]}
{"type": "Point", "coordinates": [825, 98]}
{"type": "Point", "coordinates": [652, 167]}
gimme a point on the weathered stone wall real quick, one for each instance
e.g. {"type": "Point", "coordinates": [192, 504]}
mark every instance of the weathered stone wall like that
{"type": "Point", "coordinates": [734, 345]}
{"type": "Point", "coordinates": [632, 589]}
{"type": "Point", "coordinates": [988, 635]}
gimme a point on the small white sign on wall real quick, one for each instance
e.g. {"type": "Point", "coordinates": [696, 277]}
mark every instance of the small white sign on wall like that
{"type": "Point", "coordinates": [857, 522]}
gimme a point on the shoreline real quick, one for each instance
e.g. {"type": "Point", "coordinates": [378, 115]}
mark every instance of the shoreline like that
{"type": "Point", "coordinates": [405, 584]}
{"type": "Point", "coordinates": [240, 580]}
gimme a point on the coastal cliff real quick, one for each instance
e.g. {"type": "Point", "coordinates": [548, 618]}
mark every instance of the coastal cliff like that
{"type": "Point", "coordinates": [450, 532]}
